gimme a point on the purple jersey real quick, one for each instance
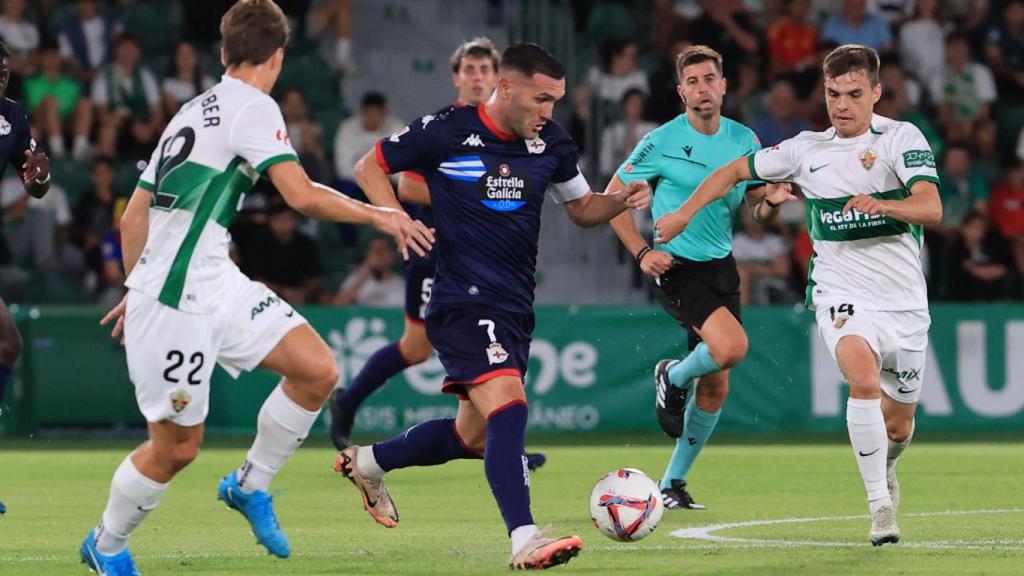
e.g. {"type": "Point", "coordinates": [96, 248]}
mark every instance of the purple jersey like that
{"type": "Point", "coordinates": [486, 189]}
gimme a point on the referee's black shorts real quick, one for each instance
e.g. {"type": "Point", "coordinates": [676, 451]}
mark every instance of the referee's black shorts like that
{"type": "Point", "coordinates": [692, 290]}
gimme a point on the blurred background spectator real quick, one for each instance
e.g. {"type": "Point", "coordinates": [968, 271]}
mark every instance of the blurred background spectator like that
{"type": "Point", "coordinates": [359, 134]}
{"type": "Point", "coordinates": [100, 79]}
{"type": "Point", "coordinates": [374, 283]}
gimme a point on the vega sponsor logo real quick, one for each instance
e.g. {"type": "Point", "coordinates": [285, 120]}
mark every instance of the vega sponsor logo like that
{"type": "Point", "coordinates": [837, 216]}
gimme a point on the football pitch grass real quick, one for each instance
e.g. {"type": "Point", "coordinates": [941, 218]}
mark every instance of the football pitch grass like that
{"type": "Point", "coordinates": [772, 509]}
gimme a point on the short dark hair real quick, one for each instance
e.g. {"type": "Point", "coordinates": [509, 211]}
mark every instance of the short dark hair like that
{"type": "Point", "coordinates": [479, 47]}
{"type": "Point", "coordinates": [126, 37]}
{"type": "Point", "coordinates": [373, 100]}
{"type": "Point", "coordinates": [609, 49]}
{"type": "Point", "coordinates": [695, 55]}
{"type": "Point", "coordinates": [529, 59]}
{"type": "Point", "coordinates": [851, 58]}
{"type": "Point", "coordinates": [252, 30]}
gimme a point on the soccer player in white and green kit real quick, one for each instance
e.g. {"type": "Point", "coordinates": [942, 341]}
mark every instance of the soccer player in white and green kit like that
{"type": "Point", "coordinates": [188, 306]}
{"type": "Point", "coordinates": [871, 185]}
{"type": "Point", "coordinates": [694, 277]}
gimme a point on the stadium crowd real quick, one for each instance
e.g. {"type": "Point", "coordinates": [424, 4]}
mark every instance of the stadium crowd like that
{"type": "Point", "coordinates": [99, 80]}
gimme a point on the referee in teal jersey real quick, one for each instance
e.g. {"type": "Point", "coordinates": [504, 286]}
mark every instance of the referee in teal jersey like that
{"type": "Point", "coordinates": [694, 276]}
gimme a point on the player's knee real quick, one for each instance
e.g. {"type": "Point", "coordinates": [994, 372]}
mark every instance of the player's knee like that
{"type": "Point", "coordinates": [10, 346]}
{"type": "Point", "coordinates": [323, 374]}
{"type": "Point", "coordinates": [183, 455]}
{"type": "Point", "coordinates": [730, 353]}
{"type": "Point", "coordinates": [415, 350]}
{"type": "Point", "coordinates": [864, 385]}
{"type": "Point", "coordinates": [898, 428]}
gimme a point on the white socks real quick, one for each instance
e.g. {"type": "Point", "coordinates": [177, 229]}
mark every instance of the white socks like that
{"type": "Point", "coordinates": [366, 461]}
{"type": "Point", "coordinates": [281, 428]}
{"type": "Point", "coordinates": [896, 449]}
{"type": "Point", "coordinates": [868, 437]}
{"type": "Point", "coordinates": [132, 497]}
{"type": "Point", "coordinates": [520, 536]}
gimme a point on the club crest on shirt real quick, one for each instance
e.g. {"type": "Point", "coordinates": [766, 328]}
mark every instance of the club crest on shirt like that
{"type": "Point", "coordinates": [180, 399]}
{"type": "Point", "coordinates": [495, 353]}
{"type": "Point", "coordinates": [867, 158]}
{"type": "Point", "coordinates": [536, 145]}
{"type": "Point", "coordinates": [5, 126]}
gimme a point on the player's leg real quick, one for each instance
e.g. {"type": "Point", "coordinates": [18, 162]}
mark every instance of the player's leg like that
{"type": "Point", "coordinates": [428, 443]}
{"type": "Point", "coordinates": [309, 372]}
{"type": "Point", "coordinates": [899, 424]}
{"type": "Point", "coordinates": [702, 297]}
{"type": "Point", "coordinates": [858, 361]}
{"type": "Point", "coordinates": [702, 416]}
{"type": "Point", "coordinates": [169, 356]}
{"type": "Point", "coordinates": [10, 349]}
{"type": "Point", "coordinates": [902, 379]}
{"type": "Point", "coordinates": [411, 349]}
{"type": "Point", "coordinates": [503, 402]}
{"type": "Point", "coordinates": [135, 491]}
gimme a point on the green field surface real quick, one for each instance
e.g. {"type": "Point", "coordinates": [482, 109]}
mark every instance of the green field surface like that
{"type": "Point", "coordinates": [772, 509]}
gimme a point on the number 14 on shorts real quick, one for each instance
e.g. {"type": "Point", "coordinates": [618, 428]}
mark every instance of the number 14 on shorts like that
{"type": "Point", "coordinates": [840, 314]}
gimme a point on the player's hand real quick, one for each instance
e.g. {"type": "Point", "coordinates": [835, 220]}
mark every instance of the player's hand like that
{"type": "Point", "coordinates": [117, 312]}
{"type": "Point", "coordinates": [36, 166]}
{"type": "Point", "coordinates": [865, 204]}
{"type": "Point", "coordinates": [406, 231]}
{"type": "Point", "coordinates": [656, 262]}
{"type": "Point", "coordinates": [669, 226]}
{"type": "Point", "coordinates": [780, 192]}
{"type": "Point", "coordinates": [638, 195]}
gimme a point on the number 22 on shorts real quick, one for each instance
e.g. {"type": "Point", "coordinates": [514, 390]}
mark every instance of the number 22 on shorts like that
{"type": "Point", "coordinates": [496, 354]}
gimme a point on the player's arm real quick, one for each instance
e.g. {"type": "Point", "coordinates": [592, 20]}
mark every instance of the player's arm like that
{"type": "Point", "coordinates": [651, 262]}
{"type": "Point", "coordinates": [134, 233]}
{"type": "Point", "coordinates": [595, 208]}
{"type": "Point", "coordinates": [913, 162]}
{"type": "Point", "coordinates": [135, 227]}
{"type": "Point", "coordinates": [712, 188]}
{"type": "Point", "coordinates": [413, 188]}
{"type": "Point", "coordinates": [35, 169]}
{"type": "Point", "coordinates": [923, 206]}
{"type": "Point", "coordinates": [325, 203]}
{"type": "Point", "coordinates": [762, 208]}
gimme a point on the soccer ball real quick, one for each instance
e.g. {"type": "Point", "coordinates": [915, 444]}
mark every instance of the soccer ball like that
{"type": "Point", "coordinates": [626, 505]}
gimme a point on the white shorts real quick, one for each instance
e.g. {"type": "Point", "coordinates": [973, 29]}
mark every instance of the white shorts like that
{"type": "Point", "coordinates": [171, 353]}
{"type": "Point", "coordinates": [898, 339]}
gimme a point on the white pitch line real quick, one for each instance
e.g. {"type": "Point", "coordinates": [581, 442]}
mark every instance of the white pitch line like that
{"type": "Point", "coordinates": [707, 533]}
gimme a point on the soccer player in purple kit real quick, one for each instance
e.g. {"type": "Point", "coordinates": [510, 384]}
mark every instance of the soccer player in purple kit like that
{"type": "Point", "coordinates": [488, 169]}
{"type": "Point", "coordinates": [474, 74]}
{"type": "Point", "coordinates": [17, 148]}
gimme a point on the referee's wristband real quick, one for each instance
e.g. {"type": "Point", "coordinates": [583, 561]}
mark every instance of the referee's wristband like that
{"type": "Point", "coordinates": [643, 252]}
{"type": "Point", "coordinates": [43, 181]}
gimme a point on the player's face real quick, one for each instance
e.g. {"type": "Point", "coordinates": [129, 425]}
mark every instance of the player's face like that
{"type": "Point", "coordinates": [475, 80]}
{"type": "Point", "coordinates": [531, 102]}
{"type": "Point", "coordinates": [702, 89]}
{"type": "Point", "coordinates": [850, 99]}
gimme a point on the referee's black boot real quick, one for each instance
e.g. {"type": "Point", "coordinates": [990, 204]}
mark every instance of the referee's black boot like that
{"type": "Point", "coordinates": [670, 400]}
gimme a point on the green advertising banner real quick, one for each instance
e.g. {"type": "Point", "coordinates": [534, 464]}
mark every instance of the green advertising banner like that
{"type": "Point", "coordinates": [590, 371]}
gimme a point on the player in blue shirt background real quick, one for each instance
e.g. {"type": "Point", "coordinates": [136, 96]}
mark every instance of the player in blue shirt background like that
{"type": "Point", "coordinates": [694, 276]}
{"type": "Point", "coordinates": [17, 149]}
{"type": "Point", "coordinates": [488, 169]}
